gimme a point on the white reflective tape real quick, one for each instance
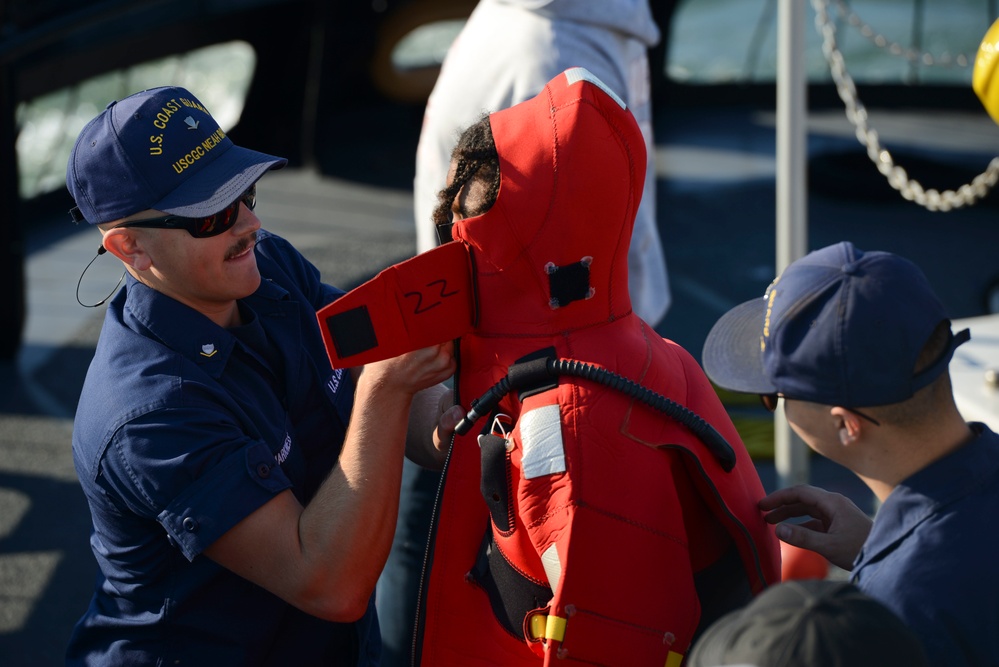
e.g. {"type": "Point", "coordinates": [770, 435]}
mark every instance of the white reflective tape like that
{"type": "Point", "coordinates": [582, 74]}
{"type": "Point", "coordinates": [553, 567]}
{"type": "Point", "coordinates": [541, 434]}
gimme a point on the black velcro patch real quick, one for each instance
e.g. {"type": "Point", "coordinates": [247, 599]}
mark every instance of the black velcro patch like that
{"type": "Point", "coordinates": [568, 283]}
{"type": "Point", "coordinates": [352, 332]}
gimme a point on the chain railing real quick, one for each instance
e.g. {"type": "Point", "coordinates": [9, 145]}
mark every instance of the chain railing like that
{"type": "Point", "coordinates": [897, 49]}
{"type": "Point", "coordinates": [934, 200]}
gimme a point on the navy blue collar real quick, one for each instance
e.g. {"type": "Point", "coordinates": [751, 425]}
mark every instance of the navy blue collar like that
{"type": "Point", "coordinates": [955, 476]}
{"type": "Point", "coordinates": [186, 331]}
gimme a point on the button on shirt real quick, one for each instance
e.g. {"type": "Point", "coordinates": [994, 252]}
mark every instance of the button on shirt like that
{"type": "Point", "coordinates": [184, 429]}
{"type": "Point", "coordinates": [933, 551]}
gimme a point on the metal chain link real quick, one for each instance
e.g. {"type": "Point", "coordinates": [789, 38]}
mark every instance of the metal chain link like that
{"type": "Point", "coordinates": [896, 49]}
{"type": "Point", "coordinates": [856, 113]}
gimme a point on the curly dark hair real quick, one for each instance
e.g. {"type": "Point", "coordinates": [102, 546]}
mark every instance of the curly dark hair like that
{"type": "Point", "coordinates": [477, 160]}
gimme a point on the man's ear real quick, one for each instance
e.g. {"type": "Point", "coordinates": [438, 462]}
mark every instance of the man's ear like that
{"type": "Point", "coordinates": [123, 244]}
{"type": "Point", "coordinates": [848, 424]}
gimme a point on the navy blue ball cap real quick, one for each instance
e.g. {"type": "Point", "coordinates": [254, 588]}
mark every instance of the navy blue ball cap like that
{"type": "Point", "coordinates": [159, 149]}
{"type": "Point", "coordinates": [839, 326]}
{"type": "Point", "coordinates": [731, 354]}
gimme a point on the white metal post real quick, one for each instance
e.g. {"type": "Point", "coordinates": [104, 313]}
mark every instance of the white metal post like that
{"type": "Point", "coordinates": [791, 454]}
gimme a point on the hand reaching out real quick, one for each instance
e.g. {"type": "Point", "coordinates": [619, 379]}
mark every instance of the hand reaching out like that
{"type": "Point", "coordinates": [837, 528]}
{"type": "Point", "coordinates": [450, 415]}
{"type": "Point", "coordinates": [410, 372]}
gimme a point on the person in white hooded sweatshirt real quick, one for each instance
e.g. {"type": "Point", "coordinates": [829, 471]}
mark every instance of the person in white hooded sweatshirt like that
{"type": "Point", "coordinates": [505, 54]}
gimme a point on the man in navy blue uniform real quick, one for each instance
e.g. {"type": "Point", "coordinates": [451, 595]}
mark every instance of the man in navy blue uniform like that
{"type": "Point", "coordinates": [858, 346]}
{"type": "Point", "coordinates": [243, 492]}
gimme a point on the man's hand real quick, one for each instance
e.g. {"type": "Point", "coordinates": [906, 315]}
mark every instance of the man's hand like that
{"type": "Point", "coordinates": [432, 413]}
{"type": "Point", "coordinates": [836, 530]}
{"type": "Point", "coordinates": [450, 415]}
{"type": "Point", "coordinates": [431, 425]}
{"type": "Point", "coordinates": [413, 371]}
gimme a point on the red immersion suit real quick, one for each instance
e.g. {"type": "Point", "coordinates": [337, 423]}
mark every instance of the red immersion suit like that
{"type": "Point", "coordinates": [584, 525]}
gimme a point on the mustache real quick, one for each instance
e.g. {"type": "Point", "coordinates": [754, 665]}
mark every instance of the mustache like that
{"type": "Point", "coordinates": [242, 245]}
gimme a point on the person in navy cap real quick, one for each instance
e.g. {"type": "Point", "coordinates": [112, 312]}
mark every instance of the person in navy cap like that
{"type": "Point", "coordinates": [243, 492]}
{"type": "Point", "coordinates": [858, 346]}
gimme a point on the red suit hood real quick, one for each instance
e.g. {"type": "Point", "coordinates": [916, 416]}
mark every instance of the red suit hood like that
{"type": "Point", "coordinates": [551, 254]}
{"type": "Point", "coordinates": [549, 257]}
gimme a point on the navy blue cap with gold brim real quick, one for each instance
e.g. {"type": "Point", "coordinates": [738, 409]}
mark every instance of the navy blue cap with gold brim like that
{"type": "Point", "coordinates": [158, 149]}
{"type": "Point", "coordinates": [839, 326]}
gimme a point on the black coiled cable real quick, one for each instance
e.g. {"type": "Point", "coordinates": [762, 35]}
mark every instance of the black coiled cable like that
{"type": "Point", "coordinates": [717, 444]}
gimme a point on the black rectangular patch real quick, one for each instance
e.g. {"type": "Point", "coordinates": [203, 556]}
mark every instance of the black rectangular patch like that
{"type": "Point", "coordinates": [569, 283]}
{"type": "Point", "coordinates": [352, 332]}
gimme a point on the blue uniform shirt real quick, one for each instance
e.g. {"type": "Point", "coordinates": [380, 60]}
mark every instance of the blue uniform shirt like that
{"type": "Point", "coordinates": [183, 429]}
{"type": "Point", "coordinates": [933, 551]}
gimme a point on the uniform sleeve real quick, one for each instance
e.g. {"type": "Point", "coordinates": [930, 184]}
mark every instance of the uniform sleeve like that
{"type": "Point", "coordinates": [191, 470]}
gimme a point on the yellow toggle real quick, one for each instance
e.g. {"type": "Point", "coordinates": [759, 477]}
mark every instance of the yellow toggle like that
{"type": "Point", "coordinates": [555, 628]}
{"type": "Point", "coordinates": [674, 659]}
{"type": "Point", "coordinates": [549, 627]}
{"type": "Point", "coordinates": [537, 628]}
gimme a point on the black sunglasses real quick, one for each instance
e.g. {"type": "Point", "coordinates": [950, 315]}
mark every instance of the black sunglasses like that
{"type": "Point", "coordinates": [199, 228]}
{"type": "Point", "coordinates": [769, 401]}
